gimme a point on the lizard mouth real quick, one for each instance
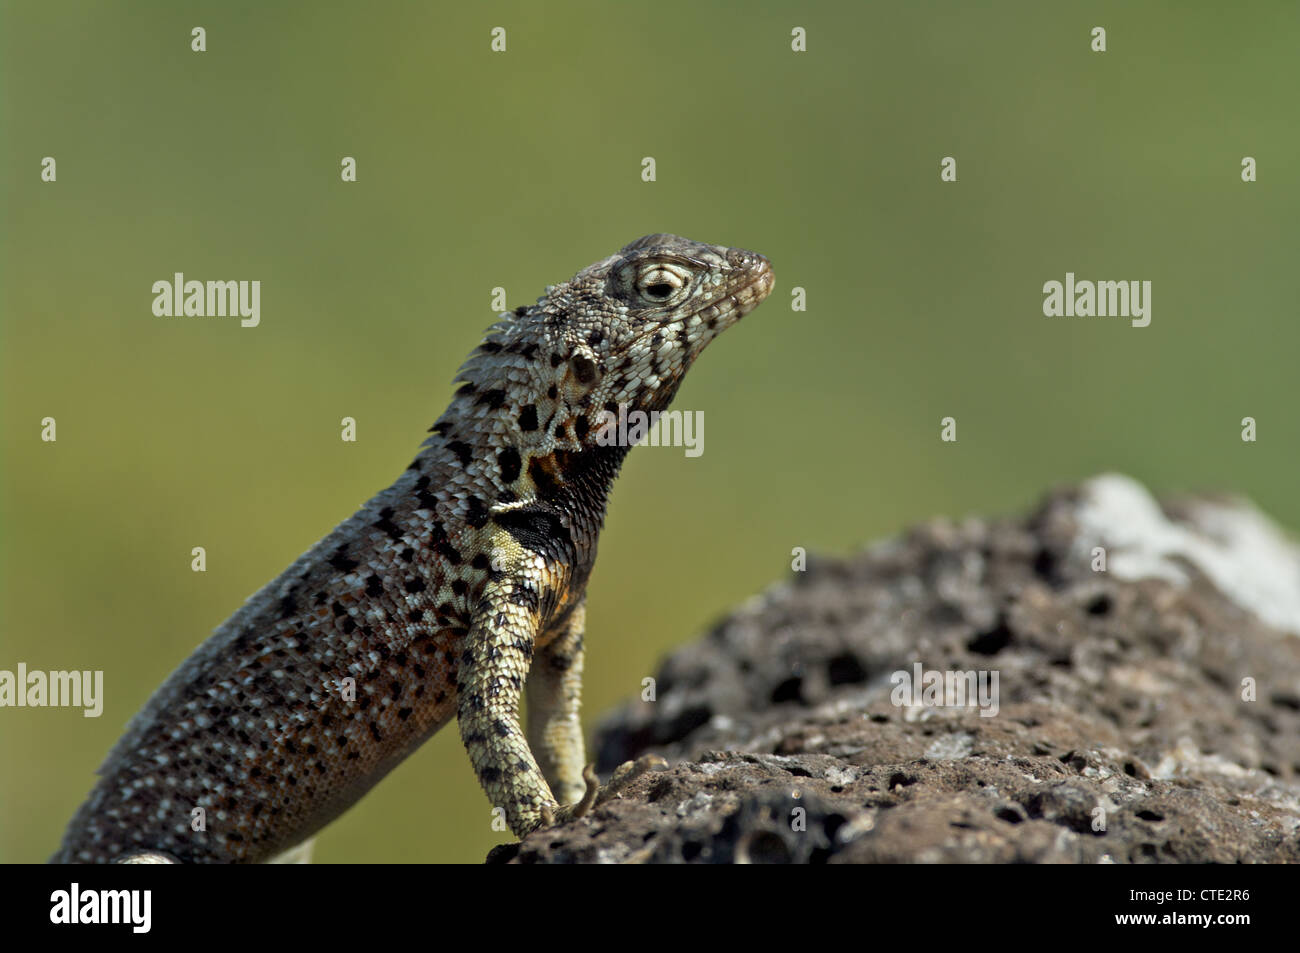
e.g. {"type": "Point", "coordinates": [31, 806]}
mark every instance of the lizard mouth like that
{"type": "Point", "coordinates": [751, 295]}
{"type": "Point", "coordinates": [731, 307]}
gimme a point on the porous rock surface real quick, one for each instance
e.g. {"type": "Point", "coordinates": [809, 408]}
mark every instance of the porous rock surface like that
{"type": "Point", "coordinates": [1147, 711]}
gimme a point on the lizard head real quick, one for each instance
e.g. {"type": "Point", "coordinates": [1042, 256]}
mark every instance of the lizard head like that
{"type": "Point", "coordinates": [649, 311]}
{"type": "Point", "coordinates": [626, 329]}
{"type": "Point", "coordinates": [621, 333]}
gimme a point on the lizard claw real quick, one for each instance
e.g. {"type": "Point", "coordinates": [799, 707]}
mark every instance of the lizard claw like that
{"type": "Point", "coordinates": [589, 797]}
{"type": "Point", "coordinates": [596, 795]}
{"type": "Point", "coordinates": [551, 815]}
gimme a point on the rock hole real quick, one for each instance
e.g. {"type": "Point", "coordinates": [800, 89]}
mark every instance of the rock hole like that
{"type": "Point", "coordinates": [1045, 565]}
{"type": "Point", "coordinates": [687, 720]}
{"type": "Point", "coordinates": [845, 669]}
{"type": "Point", "coordinates": [1100, 605]}
{"type": "Point", "coordinates": [764, 847]}
{"type": "Point", "coordinates": [992, 641]}
{"type": "Point", "coordinates": [791, 690]}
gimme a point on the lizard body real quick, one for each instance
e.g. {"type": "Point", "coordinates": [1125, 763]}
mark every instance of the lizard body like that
{"type": "Point", "coordinates": [445, 596]}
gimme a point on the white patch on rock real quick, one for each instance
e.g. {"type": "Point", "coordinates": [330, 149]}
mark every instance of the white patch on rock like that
{"type": "Point", "coordinates": [950, 747]}
{"type": "Point", "coordinates": [1187, 760]}
{"type": "Point", "coordinates": [1241, 550]}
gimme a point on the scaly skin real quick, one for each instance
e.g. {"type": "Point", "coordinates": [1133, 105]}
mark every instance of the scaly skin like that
{"type": "Point", "coordinates": [442, 597]}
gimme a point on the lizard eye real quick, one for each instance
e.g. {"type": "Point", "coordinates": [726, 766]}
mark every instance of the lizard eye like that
{"type": "Point", "coordinates": [658, 284]}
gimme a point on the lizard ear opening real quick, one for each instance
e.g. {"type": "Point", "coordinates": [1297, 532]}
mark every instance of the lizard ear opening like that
{"type": "Point", "coordinates": [585, 370]}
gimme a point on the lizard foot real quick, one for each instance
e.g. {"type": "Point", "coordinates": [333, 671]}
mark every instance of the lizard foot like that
{"type": "Point", "coordinates": [596, 795]}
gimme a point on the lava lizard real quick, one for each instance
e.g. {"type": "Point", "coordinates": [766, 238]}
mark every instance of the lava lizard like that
{"type": "Point", "coordinates": [438, 598]}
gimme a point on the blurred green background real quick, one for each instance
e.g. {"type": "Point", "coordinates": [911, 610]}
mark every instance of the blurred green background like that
{"type": "Point", "coordinates": [479, 169]}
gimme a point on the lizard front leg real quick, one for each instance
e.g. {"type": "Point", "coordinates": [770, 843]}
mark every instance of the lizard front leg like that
{"type": "Point", "coordinates": [497, 655]}
{"type": "Point", "coordinates": [554, 697]}
{"type": "Point", "coordinates": [555, 730]}
{"type": "Point", "coordinates": [493, 667]}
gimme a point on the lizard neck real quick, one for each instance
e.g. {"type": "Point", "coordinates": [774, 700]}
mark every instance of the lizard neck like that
{"type": "Point", "coordinates": [578, 482]}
